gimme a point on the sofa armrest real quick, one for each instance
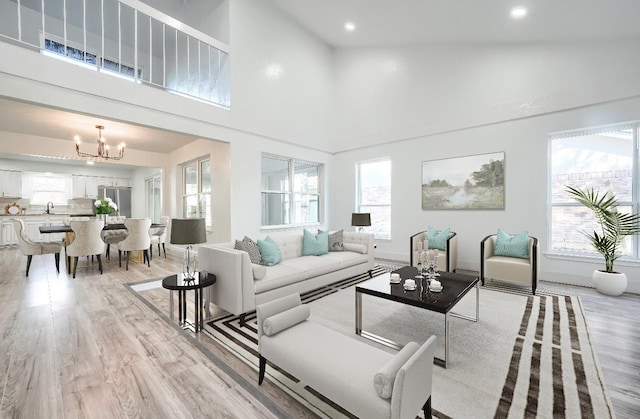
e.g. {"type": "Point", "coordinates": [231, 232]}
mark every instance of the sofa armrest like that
{"type": "Point", "coordinates": [362, 238]}
{"type": "Point", "coordinates": [234, 289]}
{"type": "Point", "coordinates": [412, 387]}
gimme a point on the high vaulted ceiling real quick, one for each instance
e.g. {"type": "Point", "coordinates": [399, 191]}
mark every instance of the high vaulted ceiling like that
{"type": "Point", "coordinates": [411, 22]}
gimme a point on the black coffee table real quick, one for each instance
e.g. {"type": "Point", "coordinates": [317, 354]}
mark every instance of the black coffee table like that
{"type": "Point", "coordinates": [181, 284]}
{"type": "Point", "coordinates": [455, 286]}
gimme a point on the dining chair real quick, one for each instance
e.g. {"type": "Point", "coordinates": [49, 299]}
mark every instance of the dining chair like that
{"type": "Point", "coordinates": [87, 241]}
{"type": "Point", "coordinates": [159, 237]}
{"type": "Point", "coordinates": [30, 248]}
{"type": "Point", "coordinates": [137, 239]}
{"type": "Point", "coordinates": [114, 236]}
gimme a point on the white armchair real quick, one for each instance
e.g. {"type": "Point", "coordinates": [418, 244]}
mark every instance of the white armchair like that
{"type": "Point", "coordinates": [30, 248]}
{"type": "Point", "coordinates": [447, 259]}
{"type": "Point", "coordinates": [506, 268]}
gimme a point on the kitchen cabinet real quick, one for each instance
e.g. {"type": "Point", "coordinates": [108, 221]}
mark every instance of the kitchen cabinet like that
{"type": "Point", "coordinates": [32, 225]}
{"type": "Point", "coordinates": [10, 184]}
{"type": "Point", "coordinates": [9, 237]}
{"type": "Point", "coordinates": [85, 186]}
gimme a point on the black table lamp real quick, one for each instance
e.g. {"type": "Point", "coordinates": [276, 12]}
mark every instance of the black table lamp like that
{"type": "Point", "coordinates": [188, 231]}
{"type": "Point", "coordinates": [361, 219]}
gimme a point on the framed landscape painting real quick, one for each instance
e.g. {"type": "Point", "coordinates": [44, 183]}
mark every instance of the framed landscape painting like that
{"type": "Point", "coordinates": [469, 182]}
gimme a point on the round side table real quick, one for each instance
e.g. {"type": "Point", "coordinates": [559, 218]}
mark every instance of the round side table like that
{"type": "Point", "coordinates": [181, 284]}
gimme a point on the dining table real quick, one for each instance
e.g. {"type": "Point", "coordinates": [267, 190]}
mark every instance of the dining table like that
{"type": "Point", "coordinates": [69, 236]}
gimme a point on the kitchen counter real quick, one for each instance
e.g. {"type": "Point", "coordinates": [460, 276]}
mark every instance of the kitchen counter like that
{"type": "Point", "coordinates": [44, 214]}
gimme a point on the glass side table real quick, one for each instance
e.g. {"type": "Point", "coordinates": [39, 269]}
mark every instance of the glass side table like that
{"type": "Point", "coordinates": [178, 283]}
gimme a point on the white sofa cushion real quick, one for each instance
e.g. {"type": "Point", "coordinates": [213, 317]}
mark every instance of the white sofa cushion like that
{"type": "Point", "coordinates": [345, 383]}
{"type": "Point", "coordinates": [277, 276]}
{"type": "Point", "coordinates": [385, 377]}
{"type": "Point", "coordinates": [347, 259]}
{"type": "Point", "coordinates": [286, 319]}
{"type": "Point", "coordinates": [314, 265]}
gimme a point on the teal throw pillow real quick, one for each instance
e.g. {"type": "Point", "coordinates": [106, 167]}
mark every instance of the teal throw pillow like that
{"type": "Point", "coordinates": [513, 246]}
{"type": "Point", "coordinates": [270, 252]}
{"type": "Point", "coordinates": [315, 244]}
{"type": "Point", "coordinates": [437, 239]}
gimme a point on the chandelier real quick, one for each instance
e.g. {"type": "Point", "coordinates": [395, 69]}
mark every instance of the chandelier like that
{"type": "Point", "coordinates": [103, 149]}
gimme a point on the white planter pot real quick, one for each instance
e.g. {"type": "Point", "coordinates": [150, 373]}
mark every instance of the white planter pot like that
{"type": "Point", "coordinates": [609, 283]}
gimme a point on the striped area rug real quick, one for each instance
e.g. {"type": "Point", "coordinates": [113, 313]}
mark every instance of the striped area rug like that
{"type": "Point", "coordinates": [528, 356]}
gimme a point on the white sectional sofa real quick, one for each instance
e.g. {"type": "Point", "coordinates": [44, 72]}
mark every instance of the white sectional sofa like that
{"type": "Point", "coordinates": [241, 285]}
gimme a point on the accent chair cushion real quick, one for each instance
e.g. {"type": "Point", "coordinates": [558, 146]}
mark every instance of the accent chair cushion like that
{"type": "Point", "coordinates": [269, 251]}
{"type": "Point", "coordinates": [437, 239]}
{"type": "Point", "coordinates": [286, 319]}
{"type": "Point", "coordinates": [516, 246]}
{"type": "Point", "coordinates": [385, 377]}
{"type": "Point", "coordinates": [315, 244]}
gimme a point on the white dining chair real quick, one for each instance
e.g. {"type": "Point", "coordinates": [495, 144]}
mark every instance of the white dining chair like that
{"type": "Point", "coordinates": [114, 236]}
{"type": "Point", "coordinates": [87, 241]}
{"type": "Point", "coordinates": [137, 239]}
{"type": "Point", "coordinates": [30, 248]}
{"type": "Point", "coordinates": [159, 237]}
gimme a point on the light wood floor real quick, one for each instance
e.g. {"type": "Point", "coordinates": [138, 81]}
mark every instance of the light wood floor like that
{"type": "Point", "coordinates": [88, 347]}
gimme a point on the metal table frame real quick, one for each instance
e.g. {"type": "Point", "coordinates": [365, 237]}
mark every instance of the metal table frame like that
{"type": "Point", "coordinates": [383, 341]}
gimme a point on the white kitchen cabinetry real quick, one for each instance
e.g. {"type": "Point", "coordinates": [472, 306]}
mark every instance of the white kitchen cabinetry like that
{"type": "Point", "coordinates": [10, 184]}
{"type": "Point", "coordinates": [85, 186]}
{"type": "Point", "coordinates": [9, 237]}
{"type": "Point", "coordinates": [32, 225]}
{"type": "Point", "coordinates": [121, 182]}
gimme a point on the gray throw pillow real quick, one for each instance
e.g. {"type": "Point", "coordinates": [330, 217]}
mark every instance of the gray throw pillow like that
{"type": "Point", "coordinates": [336, 241]}
{"type": "Point", "coordinates": [252, 248]}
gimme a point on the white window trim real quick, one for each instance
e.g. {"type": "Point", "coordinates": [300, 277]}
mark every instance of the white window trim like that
{"type": "Point", "coordinates": [358, 195]}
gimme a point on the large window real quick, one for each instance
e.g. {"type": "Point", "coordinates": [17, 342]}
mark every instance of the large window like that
{"type": "Point", "coordinates": [153, 189]}
{"type": "Point", "coordinates": [42, 188]}
{"type": "Point", "coordinates": [291, 191]}
{"type": "Point", "coordinates": [374, 195]}
{"type": "Point", "coordinates": [196, 198]}
{"type": "Point", "coordinates": [604, 159]}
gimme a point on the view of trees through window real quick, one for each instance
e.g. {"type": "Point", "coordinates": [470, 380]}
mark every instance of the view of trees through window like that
{"type": "Point", "coordinates": [374, 195]}
{"type": "Point", "coordinates": [601, 159]}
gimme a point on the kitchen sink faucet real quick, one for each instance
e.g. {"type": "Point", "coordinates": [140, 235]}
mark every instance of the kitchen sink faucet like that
{"type": "Point", "coordinates": [48, 206]}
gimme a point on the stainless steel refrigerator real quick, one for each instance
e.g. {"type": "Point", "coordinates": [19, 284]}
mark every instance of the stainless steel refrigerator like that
{"type": "Point", "coordinates": [120, 195]}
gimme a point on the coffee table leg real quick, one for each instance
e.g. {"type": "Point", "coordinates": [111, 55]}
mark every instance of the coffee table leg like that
{"type": "Point", "coordinates": [478, 301]}
{"type": "Point", "coordinates": [446, 339]}
{"type": "Point", "coordinates": [358, 313]}
{"type": "Point", "coordinates": [171, 304]}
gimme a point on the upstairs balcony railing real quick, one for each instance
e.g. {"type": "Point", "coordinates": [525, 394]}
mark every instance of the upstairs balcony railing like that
{"type": "Point", "coordinates": [126, 38]}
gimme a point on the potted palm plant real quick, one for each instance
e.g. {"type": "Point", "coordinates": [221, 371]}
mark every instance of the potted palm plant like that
{"type": "Point", "coordinates": [614, 227]}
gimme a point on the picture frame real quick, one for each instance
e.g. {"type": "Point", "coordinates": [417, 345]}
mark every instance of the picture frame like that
{"type": "Point", "coordinates": [474, 182]}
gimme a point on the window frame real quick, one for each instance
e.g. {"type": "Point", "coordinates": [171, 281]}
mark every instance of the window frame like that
{"type": "Point", "coordinates": [290, 193]}
{"type": "Point", "coordinates": [199, 194]}
{"type": "Point", "coordinates": [358, 203]}
{"type": "Point", "coordinates": [633, 203]}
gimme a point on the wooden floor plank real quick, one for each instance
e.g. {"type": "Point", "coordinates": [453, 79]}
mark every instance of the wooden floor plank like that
{"type": "Point", "coordinates": [88, 347]}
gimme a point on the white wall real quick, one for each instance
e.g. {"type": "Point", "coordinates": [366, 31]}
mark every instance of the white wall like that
{"type": "Point", "coordinates": [525, 143]}
{"type": "Point", "coordinates": [266, 115]}
{"type": "Point", "coordinates": [390, 94]}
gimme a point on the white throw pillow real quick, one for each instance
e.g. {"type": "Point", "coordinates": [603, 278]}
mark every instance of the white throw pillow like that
{"type": "Point", "coordinates": [286, 319]}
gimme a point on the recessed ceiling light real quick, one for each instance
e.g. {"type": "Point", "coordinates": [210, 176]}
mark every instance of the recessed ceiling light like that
{"type": "Point", "coordinates": [349, 27]}
{"type": "Point", "coordinates": [518, 12]}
